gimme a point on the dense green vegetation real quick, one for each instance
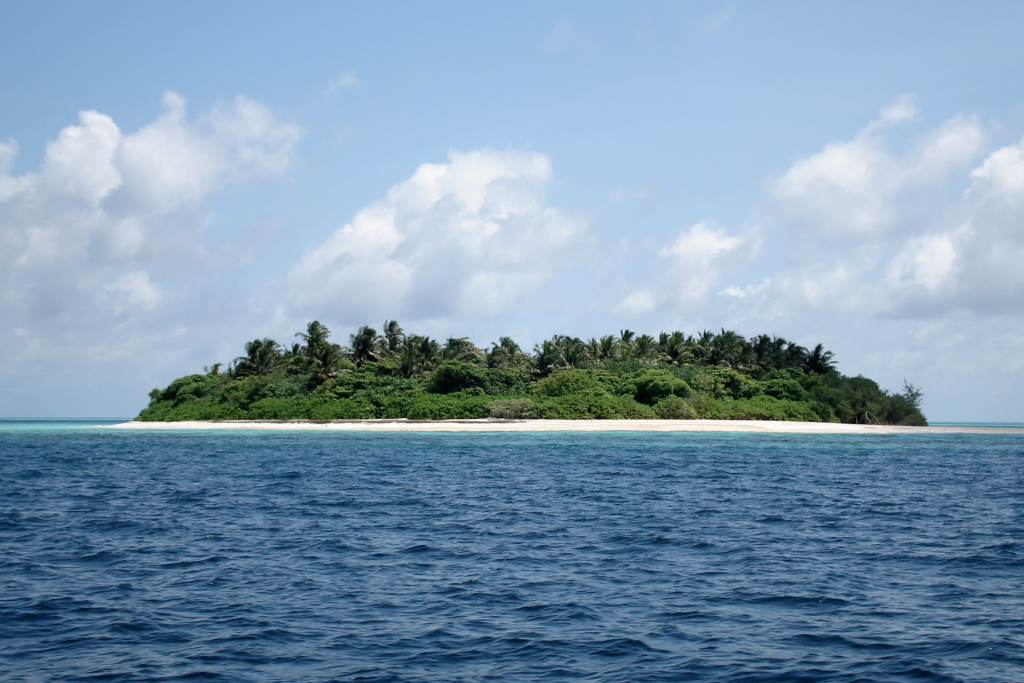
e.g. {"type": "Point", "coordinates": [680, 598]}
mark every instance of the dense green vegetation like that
{"type": "Point", "coordinates": [394, 375]}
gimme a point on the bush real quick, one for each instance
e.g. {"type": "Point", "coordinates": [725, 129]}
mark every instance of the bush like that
{"type": "Point", "coordinates": [454, 406]}
{"type": "Point", "coordinates": [454, 376]}
{"type": "Point", "coordinates": [569, 382]}
{"type": "Point", "coordinates": [676, 408]}
{"type": "Point", "coordinates": [654, 385]}
{"type": "Point", "coordinates": [593, 405]}
{"type": "Point", "coordinates": [787, 389]}
{"type": "Point", "coordinates": [498, 382]}
{"type": "Point", "coordinates": [511, 409]}
{"type": "Point", "coordinates": [342, 409]}
{"type": "Point", "coordinates": [365, 385]}
{"type": "Point", "coordinates": [763, 408]}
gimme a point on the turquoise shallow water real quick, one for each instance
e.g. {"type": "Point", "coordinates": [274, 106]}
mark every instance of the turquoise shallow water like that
{"type": "Point", "coordinates": [253, 556]}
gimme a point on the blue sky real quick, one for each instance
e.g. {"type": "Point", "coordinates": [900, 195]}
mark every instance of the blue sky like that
{"type": "Point", "coordinates": [177, 179]}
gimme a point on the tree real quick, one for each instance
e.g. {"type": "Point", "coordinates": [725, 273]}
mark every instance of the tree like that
{"type": "Point", "coordinates": [260, 357]}
{"type": "Point", "coordinates": [315, 337]}
{"type": "Point", "coordinates": [643, 347]}
{"type": "Point", "coordinates": [363, 345]}
{"type": "Point", "coordinates": [819, 360]}
{"type": "Point", "coordinates": [393, 337]}
{"type": "Point", "coordinates": [506, 355]}
{"type": "Point", "coordinates": [418, 355]}
{"type": "Point", "coordinates": [461, 349]}
{"type": "Point", "coordinates": [912, 394]}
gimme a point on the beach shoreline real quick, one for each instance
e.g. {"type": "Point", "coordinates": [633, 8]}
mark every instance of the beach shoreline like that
{"type": "Point", "coordinates": [494, 425]}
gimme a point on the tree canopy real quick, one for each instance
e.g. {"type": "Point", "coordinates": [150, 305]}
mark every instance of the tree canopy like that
{"type": "Point", "coordinates": [394, 375]}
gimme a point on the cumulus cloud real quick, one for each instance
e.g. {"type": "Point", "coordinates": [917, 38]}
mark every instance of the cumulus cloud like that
{"type": "Point", "coordinates": [692, 265]}
{"type": "Point", "coordinates": [866, 226]}
{"type": "Point", "coordinates": [111, 222]}
{"type": "Point", "coordinates": [473, 235]}
{"type": "Point", "coordinates": [936, 228]}
{"type": "Point", "coordinates": [859, 187]}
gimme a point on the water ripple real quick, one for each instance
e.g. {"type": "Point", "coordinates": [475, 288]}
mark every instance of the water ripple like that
{"type": "Point", "coordinates": [613, 557]}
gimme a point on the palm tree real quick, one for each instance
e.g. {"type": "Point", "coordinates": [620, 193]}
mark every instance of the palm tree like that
{"type": "Point", "coordinates": [506, 354]}
{"type": "Point", "coordinates": [315, 336]}
{"type": "Point", "coordinates": [393, 336]}
{"type": "Point", "coordinates": [546, 358]}
{"type": "Point", "coordinates": [819, 361]}
{"type": "Point", "coordinates": [364, 345]}
{"type": "Point", "coordinates": [643, 347]}
{"type": "Point", "coordinates": [418, 355]}
{"type": "Point", "coordinates": [573, 352]}
{"type": "Point", "coordinates": [326, 363]}
{"type": "Point", "coordinates": [702, 347]}
{"type": "Point", "coordinates": [260, 357]}
{"type": "Point", "coordinates": [675, 347]}
{"type": "Point", "coordinates": [794, 356]}
{"type": "Point", "coordinates": [461, 349]}
{"type": "Point", "coordinates": [609, 347]}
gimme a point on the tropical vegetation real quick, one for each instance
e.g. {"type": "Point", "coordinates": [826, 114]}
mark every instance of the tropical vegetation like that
{"type": "Point", "coordinates": [392, 374]}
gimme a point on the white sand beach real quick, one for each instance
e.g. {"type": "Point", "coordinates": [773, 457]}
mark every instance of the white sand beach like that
{"type": "Point", "coordinates": [492, 425]}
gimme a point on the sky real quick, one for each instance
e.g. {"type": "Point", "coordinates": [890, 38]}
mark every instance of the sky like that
{"type": "Point", "coordinates": [179, 178]}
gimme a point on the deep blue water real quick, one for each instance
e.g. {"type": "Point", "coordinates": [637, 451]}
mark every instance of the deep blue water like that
{"type": "Point", "coordinates": [248, 556]}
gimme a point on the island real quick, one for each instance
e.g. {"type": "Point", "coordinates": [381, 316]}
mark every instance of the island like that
{"type": "Point", "coordinates": [392, 375]}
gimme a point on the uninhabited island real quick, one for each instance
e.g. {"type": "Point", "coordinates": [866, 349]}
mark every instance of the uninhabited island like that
{"type": "Point", "coordinates": [393, 375]}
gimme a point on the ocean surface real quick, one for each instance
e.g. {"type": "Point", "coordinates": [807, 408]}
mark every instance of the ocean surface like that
{"type": "Point", "coordinates": [305, 556]}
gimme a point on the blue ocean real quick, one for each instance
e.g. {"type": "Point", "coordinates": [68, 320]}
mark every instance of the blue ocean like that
{"type": "Point", "coordinates": [306, 556]}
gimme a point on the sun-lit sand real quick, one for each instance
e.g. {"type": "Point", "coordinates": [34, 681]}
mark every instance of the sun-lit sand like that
{"type": "Point", "coordinates": [489, 425]}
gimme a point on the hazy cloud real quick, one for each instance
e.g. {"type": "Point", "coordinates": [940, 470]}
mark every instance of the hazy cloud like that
{"type": "Point", "coordinates": [346, 79]}
{"type": "Point", "coordinates": [691, 266]}
{"type": "Point", "coordinates": [563, 36]}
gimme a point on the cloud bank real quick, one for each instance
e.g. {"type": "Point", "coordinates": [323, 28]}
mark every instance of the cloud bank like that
{"type": "Point", "coordinates": [922, 233]}
{"type": "Point", "coordinates": [110, 219]}
{"type": "Point", "coordinates": [108, 233]}
{"type": "Point", "coordinates": [930, 230]}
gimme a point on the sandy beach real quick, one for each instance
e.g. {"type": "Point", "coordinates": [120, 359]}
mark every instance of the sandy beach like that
{"type": "Point", "coordinates": [490, 425]}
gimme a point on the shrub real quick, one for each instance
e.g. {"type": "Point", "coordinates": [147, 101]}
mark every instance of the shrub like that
{"type": "Point", "coordinates": [630, 409]}
{"type": "Point", "coordinates": [593, 405]}
{"type": "Point", "coordinates": [454, 376]}
{"type": "Point", "coordinates": [342, 409]}
{"type": "Point", "coordinates": [511, 408]}
{"type": "Point", "coordinates": [569, 382]}
{"type": "Point", "coordinates": [454, 406]}
{"type": "Point", "coordinates": [654, 385]}
{"type": "Point", "coordinates": [499, 382]}
{"type": "Point", "coordinates": [676, 408]}
{"type": "Point", "coordinates": [787, 389]}
{"type": "Point", "coordinates": [763, 408]}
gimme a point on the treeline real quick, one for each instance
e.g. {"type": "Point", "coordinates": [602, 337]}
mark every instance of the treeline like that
{"type": "Point", "coordinates": [395, 375]}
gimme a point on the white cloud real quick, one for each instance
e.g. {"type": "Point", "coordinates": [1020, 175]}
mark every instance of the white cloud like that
{"type": "Point", "coordinates": [473, 235]}
{"type": "Point", "coordinates": [693, 265]}
{"type": "Point", "coordinates": [924, 250]}
{"type": "Point", "coordinates": [859, 188]}
{"type": "Point", "coordinates": [638, 301]}
{"type": "Point", "coordinates": [748, 291]}
{"type": "Point", "coordinates": [346, 79]}
{"type": "Point", "coordinates": [860, 227]}
{"type": "Point", "coordinates": [110, 214]}
{"type": "Point", "coordinates": [890, 234]}
{"type": "Point", "coordinates": [902, 108]}
{"type": "Point", "coordinates": [133, 290]}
